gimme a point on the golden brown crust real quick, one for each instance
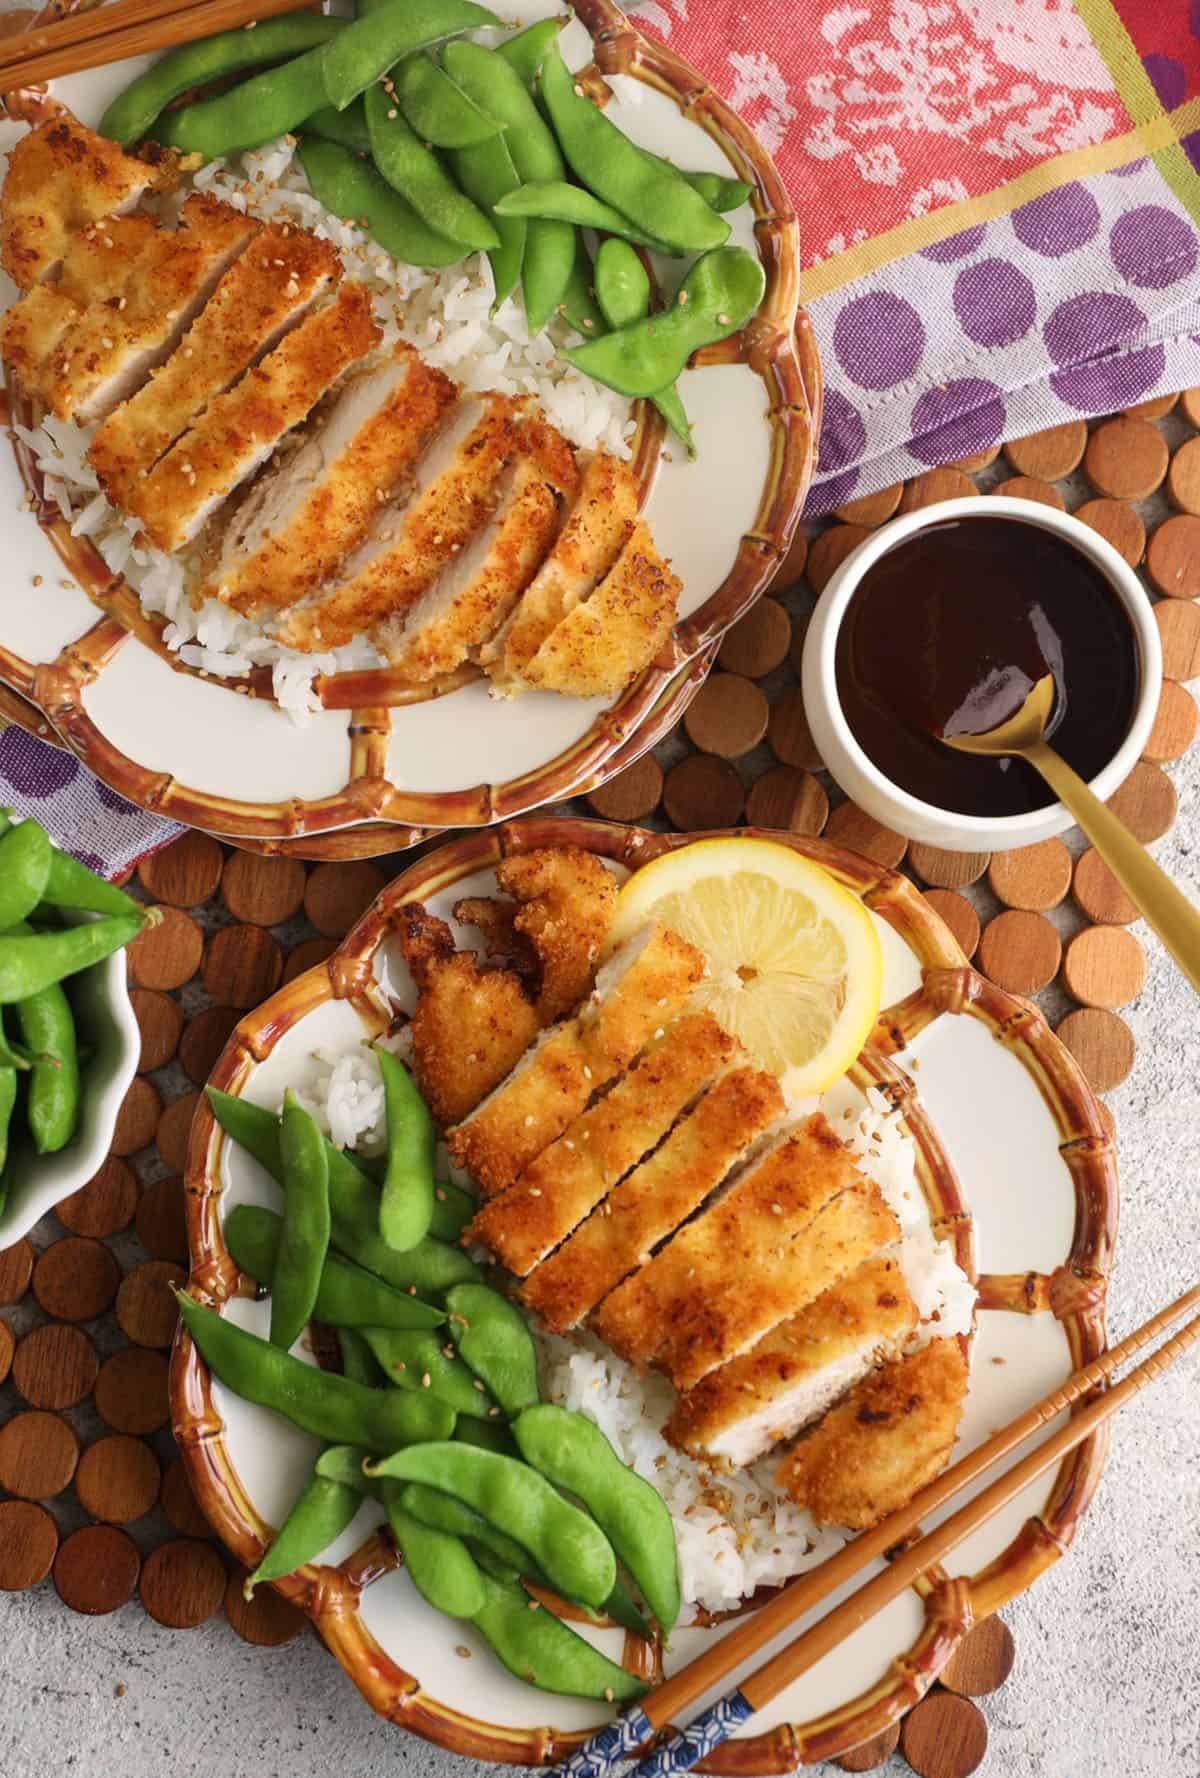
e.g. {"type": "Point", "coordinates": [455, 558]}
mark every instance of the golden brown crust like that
{"type": "Point", "coordinates": [603, 643]}
{"type": "Point", "coordinates": [567, 899]}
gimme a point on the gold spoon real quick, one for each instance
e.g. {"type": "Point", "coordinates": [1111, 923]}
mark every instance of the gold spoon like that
{"type": "Point", "coordinates": [1168, 910]}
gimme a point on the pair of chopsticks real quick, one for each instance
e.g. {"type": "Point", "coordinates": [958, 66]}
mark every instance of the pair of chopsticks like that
{"type": "Point", "coordinates": [618, 1740]}
{"type": "Point", "coordinates": [127, 28]}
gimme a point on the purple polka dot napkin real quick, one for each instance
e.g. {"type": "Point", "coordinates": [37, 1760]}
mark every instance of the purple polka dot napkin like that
{"type": "Point", "coordinates": [79, 812]}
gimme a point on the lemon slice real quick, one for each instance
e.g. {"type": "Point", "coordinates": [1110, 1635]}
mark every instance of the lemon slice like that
{"type": "Point", "coordinates": [795, 963]}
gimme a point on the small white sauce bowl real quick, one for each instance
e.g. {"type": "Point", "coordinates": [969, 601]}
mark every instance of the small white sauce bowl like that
{"type": "Point", "coordinates": [862, 779]}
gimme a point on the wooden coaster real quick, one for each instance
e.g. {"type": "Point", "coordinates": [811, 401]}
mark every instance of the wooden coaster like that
{"type": "Point", "coordinates": [1175, 723]}
{"type": "Point", "coordinates": [161, 1220]}
{"type": "Point", "coordinates": [7, 1347]}
{"type": "Point", "coordinates": [633, 793]}
{"type": "Point", "coordinates": [728, 716]}
{"type": "Point", "coordinates": [1104, 966]}
{"type": "Point", "coordinates": [959, 916]}
{"type": "Point", "coordinates": [758, 642]}
{"type": "Point", "coordinates": [1119, 523]}
{"type": "Point", "coordinates": [1030, 487]}
{"type": "Point", "coordinates": [1173, 558]}
{"type": "Point", "coordinates": [800, 625]}
{"type": "Point", "coordinates": [1101, 1043]}
{"type": "Point", "coordinates": [185, 873]}
{"type": "Point", "coordinates": [982, 1661]}
{"type": "Point", "coordinates": [1126, 459]}
{"type": "Point", "coordinates": [976, 460]}
{"type": "Point", "coordinates": [242, 965]}
{"type": "Point", "coordinates": [1051, 453]}
{"type": "Point", "coordinates": [205, 1036]}
{"type": "Point", "coordinates": [875, 1752]}
{"type": "Point", "coordinates": [1183, 477]}
{"type": "Point", "coordinates": [16, 1269]}
{"type": "Point", "coordinates": [55, 1366]}
{"type": "Point", "coordinates": [138, 1117]}
{"type": "Point", "coordinates": [1179, 632]}
{"type": "Point", "coordinates": [166, 955]}
{"type": "Point", "coordinates": [829, 550]}
{"type": "Point", "coordinates": [131, 1391]}
{"type": "Point", "coordinates": [105, 1205]}
{"type": "Point", "coordinates": [944, 1736]}
{"type": "Point", "coordinates": [1189, 406]}
{"type": "Point", "coordinates": [267, 1620]}
{"type": "Point", "coordinates": [263, 890]}
{"type": "Point", "coordinates": [75, 1279]}
{"type": "Point", "coordinates": [1034, 877]}
{"type": "Point", "coordinates": [947, 870]}
{"type": "Point", "coordinates": [701, 792]}
{"type": "Point", "coordinates": [146, 1310]}
{"type": "Point", "coordinates": [172, 1132]}
{"type": "Point", "coordinates": [1099, 894]}
{"type": "Point", "coordinates": [183, 1583]}
{"type": "Point", "coordinates": [871, 509]}
{"type": "Point", "coordinates": [792, 565]}
{"type": "Point", "coordinates": [96, 1570]}
{"type": "Point", "coordinates": [178, 1503]}
{"type": "Point", "coordinates": [1020, 951]}
{"type": "Point", "coordinates": [28, 1542]}
{"type": "Point", "coordinates": [117, 1479]}
{"type": "Point", "coordinates": [1155, 408]}
{"type": "Point", "coordinates": [1146, 802]}
{"type": "Point", "coordinates": [787, 799]}
{"type": "Point", "coordinates": [336, 895]}
{"type": "Point", "coordinates": [38, 1454]}
{"type": "Point", "coordinates": [160, 1022]}
{"type": "Point", "coordinates": [934, 485]}
{"type": "Point", "coordinates": [315, 950]}
{"type": "Point", "coordinates": [853, 828]}
{"type": "Point", "coordinates": [789, 735]}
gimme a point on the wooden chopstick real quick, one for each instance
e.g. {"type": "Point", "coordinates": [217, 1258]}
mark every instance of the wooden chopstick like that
{"type": "Point", "coordinates": [127, 28]}
{"type": "Point", "coordinates": [619, 1739]}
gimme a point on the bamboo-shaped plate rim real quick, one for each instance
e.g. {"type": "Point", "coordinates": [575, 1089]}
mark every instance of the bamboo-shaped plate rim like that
{"type": "Point", "coordinates": [778, 346]}
{"type": "Point", "coordinates": [1074, 1293]}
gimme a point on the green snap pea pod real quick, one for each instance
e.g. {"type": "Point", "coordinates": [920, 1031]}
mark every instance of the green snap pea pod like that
{"type": "Point", "coordinates": [5, 820]}
{"type": "Point", "coordinates": [427, 1269]}
{"type": "Point", "coordinates": [29, 963]}
{"type": "Point", "coordinates": [413, 1359]}
{"type": "Point", "coordinates": [72, 885]}
{"type": "Point", "coordinates": [344, 1463]}
{"type": "Point", "coordinates": [304, 1234]}
{"type": "Point", "coordinates": [24, 868]}
{"type": "Point", "coordinates": [578, 304]}
{"type": "Point", "coordinates": [8, 1100]}
{"type": "Point", "coordinates": [250, 114]}
{"type": "Point", "coordinates": [372, 45]}
{"type": "Point", "coordinates": [567, 1546]}
{"type": "Point", "coordinates": [321, 1511]}
{"type": "Point", "coordinates": [358, 1360]}
{"type": "Point", "coordinates": [557, 201]}
{"type": "Point", "coordinates": [436, 106]}
{"type": "Point", "coordinates": [549, 246]}
{"type": "Point", "coordinates": [571, 1451]}
{"type": "Point", "coordinates": [347, 1297]}
{"type": "Point", "coordinates": [486, 173]}
{"type": "Point", "coordinates": [718, 190]}
{"type": "Point", "coordinates": [443, 1569]}
{"type": "Point", "coordinates": [442, 1512]}
{"type": "Point", "coordinates": [134, 110]}
{"type": "Point", "coordinates": [614, 168]}
{"type": "Point", "coordinates": [412, 170]}
{"type": "Point", "coordinates": [12, 1055]}
{"type": "Point", "coordinates": [332, 1407]}
{"type": "Point", "coordinates": [348, 127]}
{"type": "Point", "coordinates": [53, 1095]}
{"type": "Point", "coordinates": [623, 293]}
{"type": "Point", "coordinates": [493, 1338]}
{"type": "Point", "coordinates": [406, 1196]}
{"type": "Point", "coordinates": [453, 1209]}
{"type": "Point", "coordinates": [486, 1435]}
{"type": "Point", "coordinates": [720, 294]}
{"type": "Point", "coordinates": [526, 52]}
{"type": "Point", "coordinates": [538, 1647]}
{"type": "Point", "coordinates": [353, 190]}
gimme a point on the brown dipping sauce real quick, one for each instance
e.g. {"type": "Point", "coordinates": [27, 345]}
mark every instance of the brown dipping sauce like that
{"type": "Point", "coordinates": [947, 633]}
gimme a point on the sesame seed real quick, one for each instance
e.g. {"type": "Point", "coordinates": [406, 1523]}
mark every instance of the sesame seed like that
{"type": "Point", "coordinates": [534, 1193]}
{"type": "Point", "coordinates": [532, 1605]}
{"type": "Point", "coordinates": [439, 1194]}
{"type": "Point", "coordinates": [492, 1413]}
{"type": "Point", "coordinates": [682, 297]}
{"type": "Point", "coordinates": [724, 320]}
{"type": "Point", "coordinates": [426, 1380]}
{"type": "Point", "coordinates": [460, 1648]}
{"type": "Point", "coordinates": [392, 112]}
{"type": "Point", "coordinates": [529, 1121]}
{"type": "Point", "coordinates": [608, 1693]}
{"type": "Point", "coordinates": [476, 1384]}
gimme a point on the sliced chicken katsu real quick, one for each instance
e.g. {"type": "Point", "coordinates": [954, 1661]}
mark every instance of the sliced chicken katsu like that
{"type": "Point", "coordinates": [31, 330]}
{"type": "Point", "coordinates": [567, 898]}
{"type": "Point", "coordinates": [452, 493]}
{"type": "Point", "coordinates": [297, 524]}
{"type": "Point", "coordinates": [794, 1221]}
{"type": "Point", "coordinates": [62, 177]}
{"type": "Point", "coordinates": [266, 290]}
{"type": "Point", "coordinates": [654, 1199]}
{"type": "Point", "coordinates": [798, 1370]}
{"type": "Point", "coordinates": [475, 592]}
{"type": "Point", "coordinates": [239, 429]}
{"type": "Point", "coordinates": [638, 992]}
{"type": "Point", "coordinates": [470, 1026]}
{"type": "Point", "coordinates": [605, 641]}
{"type": "Point", "coordinates": [97, 261]}
{"type": "Point", "coordinates": [893, 1433]}
{"type": "Point", "coordinates": [118, 341]}
{"type": "Point", "coordinates": [596, 530]}
{"type": "Point", "coordinates": [568, 1179]}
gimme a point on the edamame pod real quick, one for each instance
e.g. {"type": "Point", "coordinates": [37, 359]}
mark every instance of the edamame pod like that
{"type": "Point", "coordinates": [526, 52]}
{"type": "Point", "coordinates": [442, 1512]}
{"type": "Point", "coordinates": [719, 192]}
{"type": "Point", "coordinates": [571, 1451]}
{"type": "Point", "coordinates": [304, 1234]}
{"type": "Point", "coordinates": [557, 201]}
{"type": "Point", "coordinates": [344, 1463]}
{"type": "Point", "coordinates": [53, 1094]}
{"type": "Point", "coordinates": [622, 283]}
{"type": "Point", "coordinates": [134, 110]}
{"type": "Point", "coordinates": [443, 1570]}
{"type": "Point", "coordinates": [406, 1197]}
{"type": "Point", "coordinates": [486, 1435]}
{"type": "Point", "coordinates": [348, 127]}
{"type": "Point", "coordinates": [538, 1647]}
{"type": "Point", "coordinates": [71, 884]}
{"type": "Point", "coordinates": [30, 962]}
{"type": "Point", "coordinates": [578, 305]}
{"type": "Point", "coordinates": [375, 43]}
{"type": "Point", "coordinates": [486, 174]}
{"type": "Point", "coordinates": [353, 190]}
{"type": "Point", "coordinates": [321, 1511]}
{"type": "Point", "coordinates": [358, 1360]}
{"type": "Point", "coordinates": [415, 1360]}
{"type": "Point", "coordinates": [25, 854]}
{"type": "Point", "coordinates": [8, 1099]}
{"type": "Point", "coordinates": [453, 1209]}
{"type": "Point", "coordinates": [410, 168]}
{"type": "Point", "coordinates": [567, 1546]}
{"type": "Point", "coordinates": [493, 1338]}
{"type": "Point", "coordinates": [436, 106]}
{"type": "Point", "coordinates": [248, 115]}
{"type": "Point", "coordinates": [347, 1297]}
